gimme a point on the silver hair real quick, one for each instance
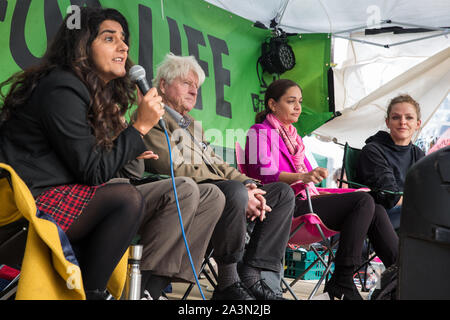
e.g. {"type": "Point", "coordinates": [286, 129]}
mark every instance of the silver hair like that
{"type": "Point", "coordinates": [177, 66]}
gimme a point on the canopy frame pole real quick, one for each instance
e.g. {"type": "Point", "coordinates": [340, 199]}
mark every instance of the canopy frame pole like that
{"type": "Point", "coordinates": [444, 32]}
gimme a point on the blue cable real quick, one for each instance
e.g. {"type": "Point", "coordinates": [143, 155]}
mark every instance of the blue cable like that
{"type": "Point", "coordinates": [179, 211]}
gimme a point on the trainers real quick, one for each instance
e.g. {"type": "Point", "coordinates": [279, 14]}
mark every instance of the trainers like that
{"type": "Point", "coordinates": [147, 296]}
{"type": "Point", "coordinates": [261, 291]}
{"type": "Point", "coordinates": [237, 291]}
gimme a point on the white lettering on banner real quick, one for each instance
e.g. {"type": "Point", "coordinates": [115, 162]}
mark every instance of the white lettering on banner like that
{"type": "Point", "coordinates": [74, 20]}
{"type": "Point", "coordinates": [374, 15]}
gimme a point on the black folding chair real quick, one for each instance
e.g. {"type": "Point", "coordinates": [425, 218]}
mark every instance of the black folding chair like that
{"type": "Point", "coordinates": [349, 171]}
{"type": "Point", "coordinates": [211, 278]}
{"type": "Point", "coordinates": [350, 177]}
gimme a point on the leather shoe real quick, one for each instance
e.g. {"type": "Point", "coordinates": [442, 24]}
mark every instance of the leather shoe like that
{"type": "Point", "coordinates": [237, 291]}
{"type": "Point", "coordinates": [262, 291]}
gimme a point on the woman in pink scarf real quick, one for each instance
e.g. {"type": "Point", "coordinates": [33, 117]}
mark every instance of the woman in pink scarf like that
{"type": "Point", "coordinates": [275, 152]}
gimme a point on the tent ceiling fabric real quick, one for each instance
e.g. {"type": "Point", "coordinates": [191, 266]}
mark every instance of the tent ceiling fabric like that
{"type": "Point", "coordinates": [329, 16]}
{"type": "Point", "coordinates": [367, 76]}
{"type": "Point", "coordinates": [428, 82]}
{"type": "Point", "coordinates": [360, 68]}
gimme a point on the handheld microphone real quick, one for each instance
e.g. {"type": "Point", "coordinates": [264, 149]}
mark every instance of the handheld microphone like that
{"type": "Point", "coordinates": [137, 75]}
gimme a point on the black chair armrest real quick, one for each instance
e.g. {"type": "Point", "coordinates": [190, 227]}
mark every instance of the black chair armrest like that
{"type": "Point", "coordinates": [397, 193]}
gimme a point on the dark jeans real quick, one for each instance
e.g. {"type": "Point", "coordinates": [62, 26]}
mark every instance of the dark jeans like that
{"type": "Point", "coordinates": [269, 238]}
{"type": "Point", "coordinates": [355, 215]}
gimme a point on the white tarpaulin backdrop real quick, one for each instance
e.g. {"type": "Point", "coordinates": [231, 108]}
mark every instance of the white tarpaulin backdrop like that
{"type": "Point", "coordinates": [364, 87]}
{"type": "Point", "coordinates": [367, 76]}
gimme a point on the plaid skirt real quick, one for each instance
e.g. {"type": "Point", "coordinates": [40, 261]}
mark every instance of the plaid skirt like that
{"type": "Point", "coordinates": [65, 203]}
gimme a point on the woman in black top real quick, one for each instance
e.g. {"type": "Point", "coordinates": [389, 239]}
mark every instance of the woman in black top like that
{"type": "Point", "coordinates": [387, 156]}
{"type": "Point", "coordinates": [62, 131]}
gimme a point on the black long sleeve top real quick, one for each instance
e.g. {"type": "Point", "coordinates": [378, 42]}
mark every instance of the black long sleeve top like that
{"type": "Point", "coordinates": [383, 165]}
{"type": "Point", "coordinates": [48, 140]}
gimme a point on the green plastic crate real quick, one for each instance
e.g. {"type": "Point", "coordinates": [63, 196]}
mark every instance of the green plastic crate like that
{"type": "Point", "coordinates": [296, 262]}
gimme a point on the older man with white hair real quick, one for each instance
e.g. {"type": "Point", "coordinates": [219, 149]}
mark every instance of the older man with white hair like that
{"type": "Point", "coordinates": [269, 207]}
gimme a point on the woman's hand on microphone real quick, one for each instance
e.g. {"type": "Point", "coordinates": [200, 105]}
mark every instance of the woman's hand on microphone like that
{"type": "Point", "coordinates": [149, 111]}
{"type": "Point", "coordinates": [315, 176]}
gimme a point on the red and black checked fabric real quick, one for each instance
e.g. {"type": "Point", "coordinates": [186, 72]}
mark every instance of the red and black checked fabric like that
{"type": "Point", "coordinates": [65, 203]}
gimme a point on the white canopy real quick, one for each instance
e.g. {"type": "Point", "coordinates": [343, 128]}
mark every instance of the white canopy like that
{"type": "Point", "coordinates": [371, 69]}
{"type": "Point", "coordinates": [372, 76]}
{"type": "Point", "coordinates": [330, 16]}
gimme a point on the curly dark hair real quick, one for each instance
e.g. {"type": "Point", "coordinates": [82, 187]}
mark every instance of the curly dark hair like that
{"type": "Point", "coordinates": [71, 50]}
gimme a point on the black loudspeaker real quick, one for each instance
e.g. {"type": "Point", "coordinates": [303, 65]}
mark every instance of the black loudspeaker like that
{"type": "Point", "coordinates": [425, 230]}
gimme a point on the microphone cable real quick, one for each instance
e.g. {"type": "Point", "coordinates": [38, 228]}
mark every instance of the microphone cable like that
{"type": "Point", "coordinates": [163, 125]}
{"type": "Point", "coordinates": [137, 74]}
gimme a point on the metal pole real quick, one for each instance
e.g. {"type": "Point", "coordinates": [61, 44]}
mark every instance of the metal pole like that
{"type": "Point", "coordinates": [134, 277]}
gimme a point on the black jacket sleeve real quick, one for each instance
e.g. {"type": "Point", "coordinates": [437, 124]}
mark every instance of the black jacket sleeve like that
{"type": "Point", "coordinates": [63, 115]}
{"type": "Point", "coordinates": [374, 171]}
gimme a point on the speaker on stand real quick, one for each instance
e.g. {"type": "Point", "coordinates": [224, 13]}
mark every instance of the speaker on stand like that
{"type": "Point", "coordinates": [424, 255]}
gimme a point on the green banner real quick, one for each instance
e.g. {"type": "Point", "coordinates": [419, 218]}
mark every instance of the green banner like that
{"type": "Point", "coordinates": [226, 46]}
{"type": "Point", "coordinates": [312, 53]}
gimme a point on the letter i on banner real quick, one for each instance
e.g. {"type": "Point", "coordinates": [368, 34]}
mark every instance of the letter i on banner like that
{"type": "Point", "coordinates": [273, 155]}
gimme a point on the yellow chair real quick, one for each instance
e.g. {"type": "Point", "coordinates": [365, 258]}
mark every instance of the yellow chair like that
{"type": "Point", "coordinates": [49, 270]}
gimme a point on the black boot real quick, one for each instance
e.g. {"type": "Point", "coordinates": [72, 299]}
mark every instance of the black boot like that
{"type": "Point", "coordinates": [341, 285]}
{"type": "Point", "coordinates": [342, 291]}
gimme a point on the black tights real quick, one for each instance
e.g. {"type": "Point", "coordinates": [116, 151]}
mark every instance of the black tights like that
{"type": "Point", "coordinates": [104, 230]}
{"type": "Point", "coordinates": [355, 215]}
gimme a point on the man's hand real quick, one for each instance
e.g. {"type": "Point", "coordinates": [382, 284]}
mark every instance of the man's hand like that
{"type": "Point", "coordinates": [256, 207]}
{"type": "Point", "coordinates": [148, 155]}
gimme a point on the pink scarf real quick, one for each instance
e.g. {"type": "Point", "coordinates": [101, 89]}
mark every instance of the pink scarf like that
{"type": "Point", "coordinates": [294, 144]}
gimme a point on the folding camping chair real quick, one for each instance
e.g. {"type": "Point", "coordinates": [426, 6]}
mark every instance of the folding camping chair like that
{"type": "Point", "coordinates": [349, 164]}
{"type": "Point", "coordinates": [348, 171]}
{"type": "Point", "coordinates": [13, 237]}
{"type": "Point", "coordinates": [349, 176]}
{"type": "Point", "coordinates": [12, 248]}
{"type": "Point", "coordinates": [305, 230]}
{"type": "Point", "coordinates": [204, 272]}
